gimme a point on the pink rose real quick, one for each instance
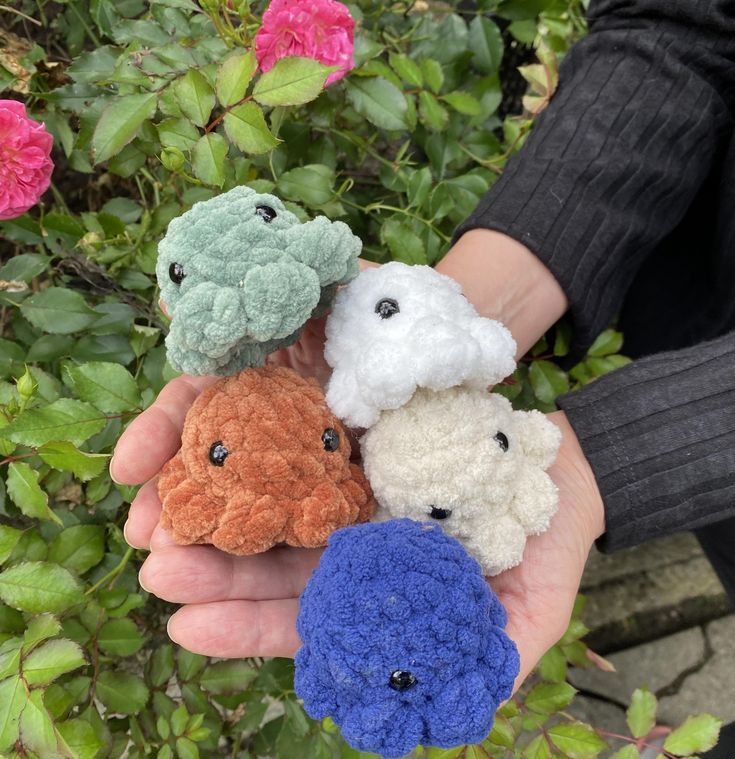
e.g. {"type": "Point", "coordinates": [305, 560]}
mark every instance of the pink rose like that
{"type": "Point", "coordinates": [319, 29]}
{"type": "Point", "coordinates": [25, 166]}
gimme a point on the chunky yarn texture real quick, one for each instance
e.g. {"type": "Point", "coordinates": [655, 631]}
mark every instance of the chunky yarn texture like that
{"type": "Point", "coordinates": [396, 602]}
{"type": "Point", "coordinates": [262, 461]}
{"type": "Point", "coordinates": [240, 275]}
{"type": "Point", "coordinates": [464, 459]}
{"type": "Point", "coordinates": [397, 328]}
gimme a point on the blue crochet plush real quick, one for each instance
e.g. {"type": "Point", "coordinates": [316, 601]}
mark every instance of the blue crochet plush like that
{"type": "Point", "coordinates": [403, 640]}
{"type": "Point", "coordinates": [240, 275]}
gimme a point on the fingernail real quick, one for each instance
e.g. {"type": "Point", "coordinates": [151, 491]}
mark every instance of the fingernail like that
{"type": "Point", "coordinates": [140, 582]}
{"type": "Point", "coordinates": [111, 467]}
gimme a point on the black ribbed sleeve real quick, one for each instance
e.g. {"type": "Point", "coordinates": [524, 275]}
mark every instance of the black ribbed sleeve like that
{"type": "Point", "coordinates": [644, 104]}
{"type": "Point", "coordinates": [660, 437]}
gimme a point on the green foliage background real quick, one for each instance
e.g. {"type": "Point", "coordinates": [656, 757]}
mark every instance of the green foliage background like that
{"type": "Point", "coordinates": [155, 105]}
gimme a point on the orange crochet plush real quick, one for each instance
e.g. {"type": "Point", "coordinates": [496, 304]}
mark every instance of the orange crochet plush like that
{"type": "Point", "coordinates": [263, 461]}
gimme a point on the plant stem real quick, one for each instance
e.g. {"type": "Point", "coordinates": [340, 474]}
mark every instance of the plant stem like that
{"type": "Point", "coordinates": [113, 573]}
{"type": "Point", "coordinates": [86, 26]}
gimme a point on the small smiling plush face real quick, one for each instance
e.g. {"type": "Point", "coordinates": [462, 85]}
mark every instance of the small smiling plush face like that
{"type": "Point", "coordinates": [240, 275]}
{"type": "Point", "coordinates": [467, 461]}
{"type": "Point", "coordinates": [398, 328]}
{"type": "Point", "coordinates": [262, 461]}
{"type": "Point", "coordinates": [403, 640]}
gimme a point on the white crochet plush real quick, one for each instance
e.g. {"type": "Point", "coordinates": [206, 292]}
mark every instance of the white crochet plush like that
{"type": "Point", "coordinates": [396, 328]}
{"type": "Point", "coordinates": [444, 454]}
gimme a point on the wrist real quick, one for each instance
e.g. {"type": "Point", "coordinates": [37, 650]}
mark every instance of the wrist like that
{"type": "Point", "coordinates": [504, 280]}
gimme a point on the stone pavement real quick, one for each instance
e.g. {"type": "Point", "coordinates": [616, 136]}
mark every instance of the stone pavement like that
{"type": "Point", "coordinates": [661, 617]}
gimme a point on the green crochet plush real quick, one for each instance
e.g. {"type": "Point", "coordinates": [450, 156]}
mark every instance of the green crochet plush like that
{"type": "Point", "coordinates": [240, 275]}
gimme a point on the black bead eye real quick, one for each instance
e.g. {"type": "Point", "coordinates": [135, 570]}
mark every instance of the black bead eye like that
{"type": "Point", "coordinates": [401, 680]}
{"type": "Point", "coordinates": [330, 438]}
{"type": "Point", "coordinates": [266, 213]}
{"type": "Point", "coordinates": [218, 453]}
{"type": "Point", "coordinates": [502, 440]}
{"type": "Point", "coordinates": [386, 308]}
{"type": "Point", "coordinates": [176, 273]}
{"type": "Point", "coordinates": [436, 513]}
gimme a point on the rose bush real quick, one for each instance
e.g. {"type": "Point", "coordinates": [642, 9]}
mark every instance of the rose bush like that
{"type": "Point", "coordinates": [153, 106]}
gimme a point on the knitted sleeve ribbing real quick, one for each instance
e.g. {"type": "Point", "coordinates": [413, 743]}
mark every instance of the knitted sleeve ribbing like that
{"type": "Point", "coordinates": [613, 162]}
{"type": "Point", "coordinates": [660, 437]}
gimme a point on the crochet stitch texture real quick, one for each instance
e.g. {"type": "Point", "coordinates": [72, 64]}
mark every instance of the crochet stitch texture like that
{"type": "Point", "coordinates": [464, 459]}
{"type": "Point", "coordinates": [262, 461]}
{"type": "Point", "coordinates": [397, 328]}
{"type": "Point", "coordinates": [402, 597]}
{"type": "Point", "coordinates": [240, 275]}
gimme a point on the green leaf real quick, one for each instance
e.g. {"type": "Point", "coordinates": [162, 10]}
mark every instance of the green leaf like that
{"type": "Point", "coordinates": [698, 733]}
{"type": "Point", "coordinates": [292, 81]}
{"type": "Point", "coordinates": [463, 102]}
{"type": "Point", "coordinates": [404, 244]}
{"type": "Point", "coordinates": [26, 493]}
{"type": "Point", "coordinates": [547, 380]}
{"type": "Point", "coordinates": [120, 637]}
{"type": "Point", "coordinates": [177, 133]}
{"type": "Point", "coordinates": [110, 387]}
{"type": "Point", "coordinates": [65, 419]}
{"type": "Point", "coordinates": [379, 101]}
{"type": "Point", "coordinates": [120, 122]}
{"type": "Point", "coordinates": [433, 73]}
{"type": "Point", "coordinates": [195, 97]}
{"type": "Point", "coordinates": [234, 76]}
{"type": "Point", "coordinates": [538, 748]}
{"type": "Point", "coordinates": [502, 733]}
{"type": "Point", "coordinates": [627, 752]}
{"type": "Point", "coordinates": [78, 548]}
{"type": "Point", "coordinates": [312, 184]}
{"type": "Point", "coordinates": [122, 692]}
{"type": "Point", "coordinates": [24, 267]}
{"type": "Point", "coordinates": [13, 698]}
{"type": "Point", "coordinates": [51, 660]}
{"type": "Point", "coordinates": [577, 740]}
{"type": "Point", "coordinates": [36, 728]}
{"type": "Point", "coordinates": [607, 342]}
{"type": "Point", "coordinates": [81, 738]}
{"type": "Point", "coordinates": [189, 665]}
{"type": "Point", "coordinates": [547, 698]}
{"type": "Point", "coordinates": [431, 112]}
{"type": "Point", "coordinates": [553, 665]}
{"type": "Point", "coordinates": [486, 44]}
{"type": "Point", "coordinates": [407, 69]}
{"type": "Point", "coordinates": [245, 126]}
{"type": "Point", "coordinates": [641, 714]}
{"type": "Point", "coordinates": [37, 586]}
{"type": "Point", "coordinates": [40, 628]}
{"type": "Point", "coordinates": [160, 666]}
{"type": "Point", "coordinates": [227, 677]}
{"type": "Point", "coordinates": [9, 538]}
{"type": "Point", "coordinates": [208, 159]}
{"type": "Point", "coordinates": [179, 718]}
{"type": "Point", "coordinates": [186, 749]}
{"type": "Point", "coordinates": [58, 311]}
{"type": "Point", "coordinates": [66, 457]}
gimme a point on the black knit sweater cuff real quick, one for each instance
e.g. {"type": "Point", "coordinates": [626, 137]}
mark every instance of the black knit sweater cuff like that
{"type": "Point", "coordinates": [659, 435]}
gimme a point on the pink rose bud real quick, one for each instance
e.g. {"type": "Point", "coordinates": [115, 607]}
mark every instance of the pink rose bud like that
{"type": "Point", "coordinates": [319, 29]}
{"type": "Point", "coordinates": [25, 166]}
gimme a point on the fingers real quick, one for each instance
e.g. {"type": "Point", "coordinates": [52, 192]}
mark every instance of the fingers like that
{"type": "Point", "coordinates": [238, 628]}
{"type": "Point", "coordinates": [155, 436]}
{"type": "Point", "coordinates": [145, 511]}
{"type": "Point", "coordinates": [281, 573]}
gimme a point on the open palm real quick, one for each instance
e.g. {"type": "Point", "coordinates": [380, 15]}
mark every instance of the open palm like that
{"type": "Point", "coordinates": [247, 606]}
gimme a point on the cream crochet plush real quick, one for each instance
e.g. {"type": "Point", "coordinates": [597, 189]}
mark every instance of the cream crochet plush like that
{"type": "Point", "coordinates": [398, 328]}
{"type": "Point", "coordinates": [466, 459]}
